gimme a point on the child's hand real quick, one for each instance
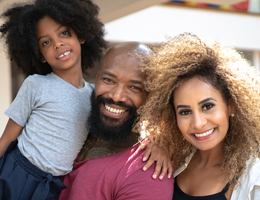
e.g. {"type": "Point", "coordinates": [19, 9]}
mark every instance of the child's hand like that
{"type": "Point", "coordinates": [163, 162]}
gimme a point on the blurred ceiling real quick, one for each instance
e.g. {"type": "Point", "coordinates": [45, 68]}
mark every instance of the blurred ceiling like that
{"type": "Point", "coordinates": [113, 9]}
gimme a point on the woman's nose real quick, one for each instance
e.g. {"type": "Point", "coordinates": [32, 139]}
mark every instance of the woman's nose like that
{"type": "Point", "coordinates": [198, 121]}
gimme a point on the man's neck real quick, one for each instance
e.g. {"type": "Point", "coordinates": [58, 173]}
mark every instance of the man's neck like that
{"type": "Point", "coordinates": [96, 147]}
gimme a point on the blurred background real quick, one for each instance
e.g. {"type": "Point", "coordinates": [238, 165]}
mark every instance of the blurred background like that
{"type": "Point", "coordinates": [235, 23]}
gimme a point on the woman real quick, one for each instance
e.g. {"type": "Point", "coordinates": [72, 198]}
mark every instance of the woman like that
{"type": "Point", "coordinates": [204, 102]}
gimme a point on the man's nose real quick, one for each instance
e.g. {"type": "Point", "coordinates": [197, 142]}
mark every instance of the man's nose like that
{"type": "Point", "coordinates": [118, 94]}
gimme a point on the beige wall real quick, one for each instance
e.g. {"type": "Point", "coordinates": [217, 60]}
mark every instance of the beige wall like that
{"type": "Point", "coordinates": [5, 86]}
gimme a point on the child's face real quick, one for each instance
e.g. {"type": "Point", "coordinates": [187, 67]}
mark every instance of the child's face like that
{"type": "Point", "coordinates": [59, 46]}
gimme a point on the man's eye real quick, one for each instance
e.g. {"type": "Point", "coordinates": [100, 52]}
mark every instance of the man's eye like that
{"type": "Point", "coordinates": [185, 112]}
{"type": "Point", "coordinates": [107, 80]}
{"type": "Point", "coordinates": [136, 88]}
{"type": "Point", "coordinates": [207, 106]}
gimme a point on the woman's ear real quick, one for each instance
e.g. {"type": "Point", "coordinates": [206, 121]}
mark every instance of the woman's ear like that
{"type": "Point", "coordinates": [231, 110]}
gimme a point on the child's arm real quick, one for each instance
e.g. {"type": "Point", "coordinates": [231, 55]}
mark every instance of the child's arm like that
{"type": "Point", "coordinates": [11, 132]}
{"type": "Point", "coordinates": [163, 162]}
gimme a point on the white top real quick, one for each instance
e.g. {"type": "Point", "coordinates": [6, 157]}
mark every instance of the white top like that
{"type": "Point", "coordinates": [53, 114]}
{"type": "Point", "coordinates": [249, 187]}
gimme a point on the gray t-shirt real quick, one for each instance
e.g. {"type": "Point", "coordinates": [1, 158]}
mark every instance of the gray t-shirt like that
{"type": "Point", "coordinates": [53, 114]}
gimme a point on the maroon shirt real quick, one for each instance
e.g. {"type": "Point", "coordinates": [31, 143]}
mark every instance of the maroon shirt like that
{"type": "Point", "coordinates": [115, 177]}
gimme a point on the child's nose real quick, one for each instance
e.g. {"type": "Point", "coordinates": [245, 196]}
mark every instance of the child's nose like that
{"type": "Point", "coordinates": [58, 45]}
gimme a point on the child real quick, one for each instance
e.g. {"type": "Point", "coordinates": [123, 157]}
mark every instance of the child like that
{"type": "Point", "coordinates": [55, 41]}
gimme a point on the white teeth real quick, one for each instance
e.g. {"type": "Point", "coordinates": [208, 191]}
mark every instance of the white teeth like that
{"type": "Point", "coordinates": [204, 134]}
{"type": "Point", "coordinates": [65, 54]}
{"type": "Point", "coordinates": [114, 110]}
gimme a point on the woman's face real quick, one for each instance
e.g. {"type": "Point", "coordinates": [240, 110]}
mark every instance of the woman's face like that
{"type": "Point", "coordinates": [202, 113]}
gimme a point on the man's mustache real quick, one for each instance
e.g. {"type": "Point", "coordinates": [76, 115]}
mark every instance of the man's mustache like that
{"type": "Point", "coordinates": [111, 101]}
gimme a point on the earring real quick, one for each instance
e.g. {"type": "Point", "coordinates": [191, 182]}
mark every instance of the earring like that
{"type": "Point", "coordinates": [232, 114]}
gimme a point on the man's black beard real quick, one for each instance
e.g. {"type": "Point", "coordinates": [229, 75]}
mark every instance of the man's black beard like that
{"type": "Point", "coordinates": [106, 130]}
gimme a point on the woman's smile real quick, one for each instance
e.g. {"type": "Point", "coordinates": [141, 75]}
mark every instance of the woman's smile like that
{"type": "Point", "coordinates": [202, 114]}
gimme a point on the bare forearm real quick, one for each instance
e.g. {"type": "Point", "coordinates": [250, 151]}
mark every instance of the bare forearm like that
{"type": "Point", "coordinates": [11, 132]}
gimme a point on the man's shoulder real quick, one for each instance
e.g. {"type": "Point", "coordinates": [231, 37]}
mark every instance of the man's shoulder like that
{"type": "Point", "coordinates": [120, 175]}
{"type": "Point", "coordinates": [138, 184]}
{"type": "Point", "coordinates": [96, 148]}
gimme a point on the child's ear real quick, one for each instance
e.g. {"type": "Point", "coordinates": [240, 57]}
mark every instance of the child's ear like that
{"type": "Point", "coordinates": [43, 60]}
{"type": "Point", "coordinates": [82, 41]}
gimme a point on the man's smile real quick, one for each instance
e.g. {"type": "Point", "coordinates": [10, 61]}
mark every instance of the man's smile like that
{"type": "Point", "coordinates": [114, 110]}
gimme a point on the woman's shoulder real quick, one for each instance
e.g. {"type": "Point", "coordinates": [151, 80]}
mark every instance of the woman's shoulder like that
{"type": "Point", "coordinates": [253, 170]}
{"type": "Point", "coordinates": [249, 182]}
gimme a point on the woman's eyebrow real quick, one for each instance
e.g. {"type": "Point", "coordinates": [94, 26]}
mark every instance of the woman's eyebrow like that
{"type": "Point", "coordinates": [201, 102]}
{"type": "Point", "coordinates": [183, 106]}
{"type": "Point", "coordinates": [205, 100]}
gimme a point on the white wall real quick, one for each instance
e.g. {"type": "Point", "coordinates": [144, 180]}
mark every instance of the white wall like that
{"type": "Point", "coordinates": [155, 23]}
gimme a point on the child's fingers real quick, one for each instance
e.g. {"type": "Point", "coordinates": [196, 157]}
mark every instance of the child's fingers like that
{"type": "Point", "coordinates": [148, 164]}
{"type": "Point", "coordinates": [164, 170]}
{"type": "Point", "coordinates": [170, 170]}
{"type": "Point", "coordinates": [157, 170]}
{"type": "Point", "coordinates": [147, 153]}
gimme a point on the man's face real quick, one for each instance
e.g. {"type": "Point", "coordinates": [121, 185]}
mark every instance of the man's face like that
{"type": "Point", "coordinates": [119, 92]}
{"type": "Point", "coordinates": [121, 85]}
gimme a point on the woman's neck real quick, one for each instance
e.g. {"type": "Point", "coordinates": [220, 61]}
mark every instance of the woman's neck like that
{"type": "Point", "coordinates": [210, 157]}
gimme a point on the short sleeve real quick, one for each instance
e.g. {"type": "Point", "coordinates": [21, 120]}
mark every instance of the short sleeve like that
{"type": "Point", "coordinates": [24, 102]}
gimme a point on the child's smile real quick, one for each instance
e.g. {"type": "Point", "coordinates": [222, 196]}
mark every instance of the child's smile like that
{"type": "Point", "coordinates": [59, 46]}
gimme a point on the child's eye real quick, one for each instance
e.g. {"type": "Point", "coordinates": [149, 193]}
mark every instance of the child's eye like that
{"type": "Point", "coordinates": [207, 106]}
{"type": "Point", "coordinates": [46, 42]}
{"type": "Point", "coordinates": [64, 32]}
{"type": "Point", "coordinates": [185, 112]}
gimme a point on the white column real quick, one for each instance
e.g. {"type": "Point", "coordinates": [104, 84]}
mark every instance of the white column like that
{"type": "Point", "coordinates": [256, 60]}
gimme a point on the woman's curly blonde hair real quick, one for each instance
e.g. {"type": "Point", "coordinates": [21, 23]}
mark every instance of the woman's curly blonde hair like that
{"type": "Point", "coordinates": [184, 57]}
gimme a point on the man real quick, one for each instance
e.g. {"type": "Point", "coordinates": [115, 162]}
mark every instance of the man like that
{"type": "Point", "coordinates": [110, 164]}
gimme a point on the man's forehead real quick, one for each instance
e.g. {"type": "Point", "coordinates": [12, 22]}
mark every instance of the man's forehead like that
{"type": "Point", "coordinates": [121, 60]}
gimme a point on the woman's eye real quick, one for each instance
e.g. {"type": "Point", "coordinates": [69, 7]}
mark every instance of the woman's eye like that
{"type": "Point", "coordinates": [207, 106]}
{"type": "Point", "coordinates": [184, 112]}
